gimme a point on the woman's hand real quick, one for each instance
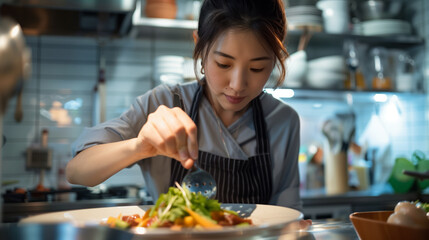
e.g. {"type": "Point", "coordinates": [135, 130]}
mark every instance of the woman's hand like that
{"type": "Point", "coordinates": [305, 224]}
{"type": "Point", "coordinates": [169, 132]}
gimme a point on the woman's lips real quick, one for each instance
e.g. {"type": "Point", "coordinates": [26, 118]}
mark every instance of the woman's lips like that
{"type": "Point", "coordinates": [234, 100]}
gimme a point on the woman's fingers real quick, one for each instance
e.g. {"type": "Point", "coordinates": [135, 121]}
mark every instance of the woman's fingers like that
{"type": "Point", "coordinates": [177, 138]}
{"type": "Point", "coordinates": [188, 163]}
{"type": "Point", "coordinates": [187, 146]}
{"type": "Point", "coordinates": [305, 223]}
{"type": "Point", "coordinates": [151, 132]}
{"type": "Point", "coordinates": [172, 133]}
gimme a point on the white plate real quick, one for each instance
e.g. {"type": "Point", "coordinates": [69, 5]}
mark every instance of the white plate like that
{"type": "Point", "coordinates": [267, 220]}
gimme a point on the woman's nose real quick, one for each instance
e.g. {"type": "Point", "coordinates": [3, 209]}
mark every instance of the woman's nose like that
{"type": "Point", "coordinates": [238, 80]}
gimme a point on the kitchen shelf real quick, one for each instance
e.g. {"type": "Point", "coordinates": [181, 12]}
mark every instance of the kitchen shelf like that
{"type": "Point", "coordinates": [165, 23]}
{"type": "Point", "coordinates": [174, 27]}
{"type": "Point", "coordinates": [157, 28]}
{"type": "Point", "coordinates": [341, 94]}
{"type": "Point", "coordinates": [398, 40]}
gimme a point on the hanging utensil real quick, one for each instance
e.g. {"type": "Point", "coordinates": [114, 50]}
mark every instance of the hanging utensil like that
{"type": "Point", "coordinates": [352, 61]}
{"type": "Point", "coordinates": [332, 130]}
{"type": "Point", "coordinates": [102, 86]}
{"type": "Point", "coordinates": [348, 128]}
{"type": "Point", "coordinates": [197, 180]}
{"type": "Point", "coordinates": [304, 39]}
{"type": "Point", "coordinates": [18, 108]}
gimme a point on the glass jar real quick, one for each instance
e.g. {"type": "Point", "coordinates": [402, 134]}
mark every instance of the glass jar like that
{"type": "Point", "coordinates": [192, 9]}
{"type": "Point", "coordinates": [380, 80]}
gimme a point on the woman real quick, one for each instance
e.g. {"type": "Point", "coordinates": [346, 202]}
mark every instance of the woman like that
{"type": "Point", "coordinates": [247, 139]}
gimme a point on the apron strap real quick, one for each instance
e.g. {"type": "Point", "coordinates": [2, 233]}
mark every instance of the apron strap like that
{"type": "Point", "coordinates": [263, 146]}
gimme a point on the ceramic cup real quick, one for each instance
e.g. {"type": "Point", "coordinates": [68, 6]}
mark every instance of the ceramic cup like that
{"type": "Point", "coordinates": [335, 15]}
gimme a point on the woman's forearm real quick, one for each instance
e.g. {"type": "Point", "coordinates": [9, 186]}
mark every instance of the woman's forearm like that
{"type": "Point", "coordinates": [96, 164]}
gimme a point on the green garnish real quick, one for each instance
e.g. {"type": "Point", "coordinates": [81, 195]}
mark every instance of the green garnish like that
{"type": "Point", "coordinates": [171, 205]}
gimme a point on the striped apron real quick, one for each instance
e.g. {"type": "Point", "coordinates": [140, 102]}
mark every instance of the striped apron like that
{"type": "Point", "coordinates": [238, 181]}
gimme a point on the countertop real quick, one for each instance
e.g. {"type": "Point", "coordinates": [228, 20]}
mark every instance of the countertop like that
{"type": "Point", "coordinates": [321, 229]}
{"type": "Point", "coordinates": [318, 205]}
{"type": "Point", "coordinates": [13, 212]}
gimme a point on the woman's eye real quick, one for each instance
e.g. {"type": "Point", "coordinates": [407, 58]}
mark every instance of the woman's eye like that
{"type": "Point", "coordinates": [224, 66]}
{"type": "Point", "coordinates": [257, 69]}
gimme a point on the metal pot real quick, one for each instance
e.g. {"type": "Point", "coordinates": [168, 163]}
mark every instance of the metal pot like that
{"type": "Point", "coordinates": [15, 60]}
{"type": "Point", "coordinates": [377, 9]}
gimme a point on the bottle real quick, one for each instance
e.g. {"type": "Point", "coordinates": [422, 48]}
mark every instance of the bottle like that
{"type": "Point", "coordinates": [355, 79]}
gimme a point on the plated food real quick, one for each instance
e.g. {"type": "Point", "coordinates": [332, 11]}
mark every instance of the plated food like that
{"type": "Point", "coordinates": [266, 220]}
{"type": "Point", "coordinates": [179, 208]}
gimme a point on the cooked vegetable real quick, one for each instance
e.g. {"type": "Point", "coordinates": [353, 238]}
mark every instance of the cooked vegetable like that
{"type": "Point", "coordinates": [203, 221]}
{"type": "Point", "coordinates": [408, 214]}
{"type": "Point", "coordinates": [179, 208]}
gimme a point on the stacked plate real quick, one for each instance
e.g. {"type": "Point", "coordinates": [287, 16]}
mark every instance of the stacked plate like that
{"type": "Point", "coordinates": [385, 27]}
{"type": "Point", "coordinates": [169, 69]}
{"type": "Point", "coordinates": [304, 16]}
{"type": "Point", "coordinates": [327, 72]}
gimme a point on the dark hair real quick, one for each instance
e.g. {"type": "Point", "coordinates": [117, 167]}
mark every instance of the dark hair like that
{"type": "Point", "coordinates": [265, 17]}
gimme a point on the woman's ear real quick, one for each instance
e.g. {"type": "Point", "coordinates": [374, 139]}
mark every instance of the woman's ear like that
{"type": "Point", "coordinates": [195, 36]}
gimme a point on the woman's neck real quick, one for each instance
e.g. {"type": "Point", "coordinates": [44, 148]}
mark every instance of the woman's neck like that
{"type": "Point", "coordinates": [227, 117]}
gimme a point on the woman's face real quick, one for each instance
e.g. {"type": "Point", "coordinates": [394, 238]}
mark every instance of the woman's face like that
{"type": "Point", "coordinates": [237, 67]}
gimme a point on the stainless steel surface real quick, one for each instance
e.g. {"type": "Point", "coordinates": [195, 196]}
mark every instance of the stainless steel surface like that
{"type": "Point", "coordinates": [60, 232]}
{"type": "Point", "coordinates": [323, 229]}
{"type": "Point", "coordinates": [101, 18]}
{"type": "Point", "coordinates": [333, 229]}
{"type": "Point", "coordinates": [197, 180]}
{"type": "Point", "coordinates": [14, 60]}
{"type": "Point", "coordinates": [13, 212]}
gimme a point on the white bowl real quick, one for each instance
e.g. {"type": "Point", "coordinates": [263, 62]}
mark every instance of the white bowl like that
{"type": "Point", "coordinates": [386, 27]}
{"type": "Point", "coordinates": [296, 68]}
{"type": "Point", "coordinates": [334, 63]}
{"type": "Point", "coordinates": [325, 79]}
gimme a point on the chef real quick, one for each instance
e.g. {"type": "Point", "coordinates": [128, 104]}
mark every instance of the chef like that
{"type": "Point", "coordinates": [247, 139]}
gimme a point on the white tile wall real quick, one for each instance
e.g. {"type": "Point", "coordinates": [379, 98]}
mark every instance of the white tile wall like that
{"type": "Point", "coordinates": [65, 71]}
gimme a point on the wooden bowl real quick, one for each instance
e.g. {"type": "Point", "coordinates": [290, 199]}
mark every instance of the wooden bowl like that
{"type": "Point", "coordinates": [161, 10]}
{"type": "Point", "coordinates": [373, 225]}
